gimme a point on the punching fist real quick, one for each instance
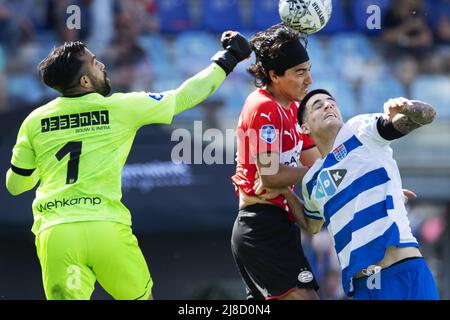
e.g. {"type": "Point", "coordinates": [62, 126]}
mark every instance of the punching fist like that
{"type": "Point", "coordinates": [236, 48]}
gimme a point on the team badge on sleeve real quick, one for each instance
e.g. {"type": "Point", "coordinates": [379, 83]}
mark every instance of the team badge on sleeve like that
{"type": "Point", "coordinates": [156, 96]}
{"type": "Point", "coordinates": [268, 133]}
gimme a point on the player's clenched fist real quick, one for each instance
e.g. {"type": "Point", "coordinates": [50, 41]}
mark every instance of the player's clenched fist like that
{"type": "Point", "coordinates": [235, 43]}
{"type": "Point", "coordinates": [236, 49]}
{"type": "Point", "coordinates": [418, 112]}
{"type": "Point", "coordinates": [396, 105]}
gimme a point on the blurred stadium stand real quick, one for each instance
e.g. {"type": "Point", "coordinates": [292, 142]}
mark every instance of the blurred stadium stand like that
{"type": "Point", "coordinates": [434, 89]}
{"type": "Point", "coordinates": [339, 21]}
{"type": "Point", "coordinates": [174, 15]}
{"type": "Point", "coordinates": [215, 20]}
{"type": "Point", "coordinates": [177, 39]}
{"type": "Point", "coordinates": [264, 14]}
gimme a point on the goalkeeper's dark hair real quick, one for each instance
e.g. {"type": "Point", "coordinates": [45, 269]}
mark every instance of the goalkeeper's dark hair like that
{"type": "Point", "coordinates": [62, 68]}
{"type": "Point", "coordinates": [267, 46]}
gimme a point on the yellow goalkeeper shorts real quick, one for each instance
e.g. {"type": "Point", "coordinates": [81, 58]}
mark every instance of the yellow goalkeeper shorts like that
{"type": "Point", "coordinates": [75, 255]}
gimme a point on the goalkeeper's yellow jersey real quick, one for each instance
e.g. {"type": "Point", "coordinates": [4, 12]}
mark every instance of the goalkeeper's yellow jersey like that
{"type": "Point", "coordinates": [79, 147]}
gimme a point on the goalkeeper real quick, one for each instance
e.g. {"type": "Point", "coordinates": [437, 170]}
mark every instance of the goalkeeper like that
{"type": "Point", "coordinates": [76, 147]}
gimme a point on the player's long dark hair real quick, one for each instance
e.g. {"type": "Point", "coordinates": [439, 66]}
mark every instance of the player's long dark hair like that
{"type": "Point", "coordinates": [62, 68]}
{"type": "Point", "coordinates": [267, 44]}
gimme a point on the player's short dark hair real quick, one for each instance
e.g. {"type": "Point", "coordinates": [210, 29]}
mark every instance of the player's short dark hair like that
{"type": "Point", "coordinates": [62, 68]}
{"type": "Point", "coordinates": [267, 45]}
{"type": "Point", "coordinates": [302, 107]}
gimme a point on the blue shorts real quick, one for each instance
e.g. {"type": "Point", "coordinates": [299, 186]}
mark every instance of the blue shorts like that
{"type": "Point", "coordinates": [406, 280]}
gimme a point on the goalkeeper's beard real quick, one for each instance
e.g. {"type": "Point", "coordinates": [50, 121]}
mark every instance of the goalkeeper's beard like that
{"type": "Point", "coordinates": [103, 87]}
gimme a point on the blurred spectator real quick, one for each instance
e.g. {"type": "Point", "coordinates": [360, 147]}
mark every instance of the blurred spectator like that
{"type": "Point", "coordinates": [409, 39]}
{"type": "Point", "coordinates": [439, 20]}
{"type": "Point", "coordinates": [10, 34]}
{"type": "Point", "coordinates": [22, 13]}
{"type": "Point", "coordinates": [102, 26]}
{"type": "Point", "coordinates": [405, 27]}
{"type": "Point", "coordinates": [128, 62]}
{"type": "Point", "coordinates": [406, 70]}
{"type": "Point", "coordinates": [143, 12]}
{"type": "Point", "coordinates": [3, 92]}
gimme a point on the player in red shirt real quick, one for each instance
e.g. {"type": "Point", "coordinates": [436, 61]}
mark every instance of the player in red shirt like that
{"type": "Point", "coordinates": [266, 240]}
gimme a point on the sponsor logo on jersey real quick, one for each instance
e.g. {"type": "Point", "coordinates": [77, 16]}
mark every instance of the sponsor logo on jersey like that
{"type": "Point", "coordinates": [76, 120]}
{"type": "Point", "coordinates": [265, 115]}
{"type": "Point", "coordinates": [268, 133]}
{"type": "Point", "coordinates": [329, 181]}
{"type": "Point", "coordinates": [319, 191]}
{"type": "Point", "coordinates": [337, 176]}
{"type": "Point", "coordinates": [55, 204]}
{"type": "Point", "coordinates": [156, 96]}
{"type": "Point", "coordinates": [291, 157]}
{"type": "Point", "coordinates": [287, 133]}
{"type": "Point", "coordinates": [340, 152]}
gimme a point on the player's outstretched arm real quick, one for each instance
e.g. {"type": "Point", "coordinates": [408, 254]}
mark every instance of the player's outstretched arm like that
{"type": "Point", "coordinates": [202, 85]}
{"type": "Point", "coordinates": [407, 115]}
{"type": "Point", "coordinates": [17, 183]}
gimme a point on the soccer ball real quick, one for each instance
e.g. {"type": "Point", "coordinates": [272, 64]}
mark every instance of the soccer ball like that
{"type": "Point", "coordinates": [305, 16]}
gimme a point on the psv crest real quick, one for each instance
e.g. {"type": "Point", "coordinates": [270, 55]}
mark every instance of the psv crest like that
{"type": "Point", "coordinates": [340, 152]}
{"type": "Point", "coordinates": [268, 133]}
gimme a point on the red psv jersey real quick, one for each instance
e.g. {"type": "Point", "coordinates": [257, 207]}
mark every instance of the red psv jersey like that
{"type": "Point", "coordinates": [264, 126]}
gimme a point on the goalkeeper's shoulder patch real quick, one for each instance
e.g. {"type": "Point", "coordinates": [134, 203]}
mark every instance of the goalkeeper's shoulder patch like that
{"type": "Point", "coordinates": [156, 96]}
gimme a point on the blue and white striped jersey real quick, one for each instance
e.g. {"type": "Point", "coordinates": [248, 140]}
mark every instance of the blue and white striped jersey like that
{"type": "Point", "coordinates": [357, 190]}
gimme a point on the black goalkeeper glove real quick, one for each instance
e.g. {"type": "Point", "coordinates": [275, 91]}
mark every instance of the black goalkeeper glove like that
{"type": "Point", "coordinates": [236, 50]}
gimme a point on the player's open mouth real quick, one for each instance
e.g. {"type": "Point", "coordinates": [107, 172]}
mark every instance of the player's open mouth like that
{"type": "Point", "coordinates": [330, 115]}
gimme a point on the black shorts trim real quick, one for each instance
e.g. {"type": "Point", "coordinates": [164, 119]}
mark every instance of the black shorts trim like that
{"type": "Point", "coordinates": [267, 250]}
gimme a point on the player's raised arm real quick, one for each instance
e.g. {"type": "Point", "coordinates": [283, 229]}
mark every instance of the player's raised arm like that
{"type": "Point", "coordinates": [203, 84]}
{"type": "Point", "coordinates": [404, 115]}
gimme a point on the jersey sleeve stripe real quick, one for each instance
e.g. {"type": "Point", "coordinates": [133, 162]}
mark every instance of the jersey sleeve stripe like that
{"type": "Point", "coordinates": [22, 172]}
{"type": "Point", "coordinates": [312, 214]}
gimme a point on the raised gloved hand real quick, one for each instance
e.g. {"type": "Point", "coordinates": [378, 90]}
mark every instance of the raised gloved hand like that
{"type": "Point", "coordinates": [236, 48]}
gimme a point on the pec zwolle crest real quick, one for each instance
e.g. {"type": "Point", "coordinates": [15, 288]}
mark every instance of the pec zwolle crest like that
{"type": "Point", "coordinates": [340, 152]}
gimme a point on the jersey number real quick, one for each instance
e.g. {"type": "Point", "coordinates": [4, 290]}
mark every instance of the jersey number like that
{"type": "Point", "coordinates": [74, 149]}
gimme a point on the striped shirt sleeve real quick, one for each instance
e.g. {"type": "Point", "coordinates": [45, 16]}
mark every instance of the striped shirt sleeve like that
{"type": "Point", "coordinates": [310, 210]}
